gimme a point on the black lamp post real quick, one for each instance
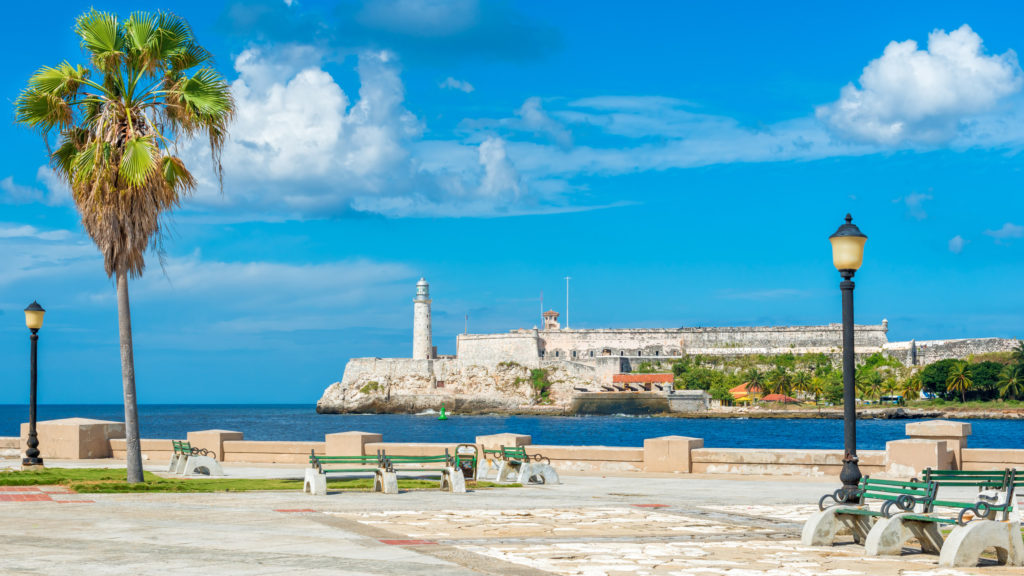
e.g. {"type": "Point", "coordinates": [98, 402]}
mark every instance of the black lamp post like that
{"type": "Point", "coordinates": [847, 256]}
{"type": "Point", "coordinates": [34, 321]}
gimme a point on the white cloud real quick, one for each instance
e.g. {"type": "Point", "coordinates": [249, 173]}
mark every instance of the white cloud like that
{"type": "Point", "coordinates": [500, 177]}
{"type": "Point", "coordinates": [956, 244]}
{"type": "Point", "coordinates": [460, 85]}
{"type": "Point", "coordinates": [910, 95]}
{"type": "Point", "coordinates": [55, 191]}
{"type": "Point", "coordinates": [26, 231]}
{"type": "Point", "coordinates": [915, 204]}
{"type": "Point", "coordinates": [535, 119]}
{"type": "Point", "coordinates": [1007, 232]}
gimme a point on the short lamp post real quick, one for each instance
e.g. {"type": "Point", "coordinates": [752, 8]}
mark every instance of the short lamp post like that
{"type": "Point", "coordinates": [34, 321]}
{"type": "Point", "coordinates": [847, 256]}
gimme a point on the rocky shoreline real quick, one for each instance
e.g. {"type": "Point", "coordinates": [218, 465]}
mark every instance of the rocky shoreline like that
{"type": "Point", "coordinates": [482, 406]}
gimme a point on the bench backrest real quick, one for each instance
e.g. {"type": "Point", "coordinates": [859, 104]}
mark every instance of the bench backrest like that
{"type": "Point", "coordinates": [904, 495]}
{"type": "Point", "coordinates": [980, 479]}
{"type": "Point", "coordinates": [416, 462]}
{"type": "Point", "coordinates": [514, 452]}
{"type": "Point", "coordinates": [181, 446]}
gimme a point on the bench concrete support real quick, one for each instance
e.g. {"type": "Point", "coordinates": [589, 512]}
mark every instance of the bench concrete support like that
{"type": "Point", "coordinates": [315, 483]}
{"type": "Point", "coordinates": [386, 482]}
{"type": "Point", "coordinates": [822, 527]}
{"type": "Point", "coordinates": [453, 480]}
{"type": "Point", "coordinates": [965, 544]}
{"type": "Point", "coordinates": [197, 463]}
{"type": "Point", "coordinates": [179, 466]}
{"type": "Point", "coordinates": [507, 472]}
{"type": "Point", "coordinates": [538, 473]}
{"type": "Point", "coordinates": [485, 467]}
{"type": "Point", "coordinates": [888, 535]}
{"type": "Point", "coordinates": [173, 466]}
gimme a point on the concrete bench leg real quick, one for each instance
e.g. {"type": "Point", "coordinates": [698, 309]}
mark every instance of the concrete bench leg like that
{"type": "Point", "coordinates": [822, 527]}
{"type": "Point", "coordinates": [888, 535]}
{"type": "Point", "coordinates": [966, 543]}
{"type": "Point", "coordinates": [204, 465]}
{"type": "Point", "coordinates": [386, 482]}
{"type": "Point", "coordinates": [537, 473]}
{"type": "Point", "coordinates": [508, 471]}
{"type": "Point", "coordinates": [179, 466]}
{"type": "Point", "coordinates": [315, 483]}
{"type": "Point", "coordinates": [174, 463]}
{"type": "Point", "coordinates": [484, 469]}
{"type": "Point", "coordinates": [453, 480]}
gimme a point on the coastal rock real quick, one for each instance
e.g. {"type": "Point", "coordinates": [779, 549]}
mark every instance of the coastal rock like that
{"type": "Point", "coordinates": [414, 386]}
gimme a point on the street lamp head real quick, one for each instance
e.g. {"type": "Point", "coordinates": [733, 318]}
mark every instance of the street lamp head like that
{"type": "Point", "coordinates": [34, 316]}
{"type": "Point", "coordinates": [848, 246]}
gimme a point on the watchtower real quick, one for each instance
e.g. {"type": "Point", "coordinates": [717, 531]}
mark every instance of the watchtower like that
{"type": "Point", "coordinates": [551, 320]}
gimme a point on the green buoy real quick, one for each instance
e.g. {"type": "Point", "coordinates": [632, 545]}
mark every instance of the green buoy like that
{"type": "Point", "coordinates": [442, 416]}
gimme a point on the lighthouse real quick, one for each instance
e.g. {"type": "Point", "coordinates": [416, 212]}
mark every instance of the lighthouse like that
{"type": "Point", "coordinates": [422, 347]}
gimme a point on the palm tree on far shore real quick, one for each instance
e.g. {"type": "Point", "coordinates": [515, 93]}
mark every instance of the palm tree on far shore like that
{"type": "Point", "coordinates": [959, 379]}
{"type": "Point", "coordinates": [803, 383]}
{"type": "Point", "coordinates": [755, 383]}
{"type": "Point", "coordinates": [1011, 382]}
{"type": "Point", "coordinates": [117, 122]}
{"type": "Point", "coordinates": [912, 386]}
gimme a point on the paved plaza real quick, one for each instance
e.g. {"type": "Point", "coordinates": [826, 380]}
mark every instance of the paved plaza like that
{"type": "Point", "coordinates": [588, 525]}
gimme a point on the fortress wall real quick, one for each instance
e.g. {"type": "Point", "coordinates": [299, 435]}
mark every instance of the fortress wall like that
{"type": "Point", "coordinates": [584, 345]}
{"type": "Point", "coordinates": [929, 351]}
{"type": "Point", "coordinates": [491, 349]}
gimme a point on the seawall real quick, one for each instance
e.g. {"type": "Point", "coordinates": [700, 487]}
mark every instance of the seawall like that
{"type": "Point", "coordinates": [936, 444]}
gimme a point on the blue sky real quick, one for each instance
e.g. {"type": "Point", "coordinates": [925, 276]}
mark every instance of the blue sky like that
{"type": "Point", "coordinates": [684, 162]}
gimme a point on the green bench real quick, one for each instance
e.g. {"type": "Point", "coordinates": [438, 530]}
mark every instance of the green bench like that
{"type": "Point", "coordinates": [187, 459]}
{"type": "Point", "coordinates": [976, 526]}
{"type": "Point", "coordinates": [320, 467]}
{"type": "Point", "coordinates": [854, 511]}
{"type": "Point", "coordinates": [518, 466]}
{"type": "Point", "coordinates": [445, 465]}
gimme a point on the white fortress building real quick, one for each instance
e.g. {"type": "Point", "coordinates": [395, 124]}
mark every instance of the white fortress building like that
{"type": "Point", "coordinates": [584, 360]}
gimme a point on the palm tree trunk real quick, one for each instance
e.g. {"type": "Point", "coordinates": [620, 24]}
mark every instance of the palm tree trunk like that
{"type": "Point", "coordinates": [133, 453]}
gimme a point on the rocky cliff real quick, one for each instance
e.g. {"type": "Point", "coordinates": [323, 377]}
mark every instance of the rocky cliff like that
{"type": "Point", "coordinates": [410, 386]}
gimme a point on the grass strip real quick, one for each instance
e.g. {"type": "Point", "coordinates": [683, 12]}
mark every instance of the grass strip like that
{"type": "Point", "coordinates": [112, 480]}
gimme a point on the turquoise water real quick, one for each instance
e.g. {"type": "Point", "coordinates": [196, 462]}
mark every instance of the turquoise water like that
{"type": "Point", "coordinates": [301, 422]}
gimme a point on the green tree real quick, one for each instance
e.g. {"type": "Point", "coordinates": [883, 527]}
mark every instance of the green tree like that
{"type": "Point", "coordinates": [934, 376]}
{"type": "Point", "coordinates": [803, 383]}
{"type": "Point", "coordinates": [959, 379]}
{"type": "Point", "coordinates": [779, 381]}
{"type": "Point", "coordinates": [755, 381]}
{"type": "Point", "coordinates": [117, 122]}
{"type": "Point", "coordinates": [720, 392]}
{"type": "Point", "coordinates": [986, 380]}
{"type": "Point", "coordinates": [833, 388]}
{"type": "Point", "coordinates": [1011, 382]}
{"type": "Point", "coordinates": [912, 387]}
{"type": "Point", "coordinates": [1018, 353]}
{"type": "Point", "coordinates": [868, 382]}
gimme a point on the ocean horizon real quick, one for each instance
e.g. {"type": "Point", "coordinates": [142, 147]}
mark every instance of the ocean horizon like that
{"type": "Point", "coordinates": [300, 422]}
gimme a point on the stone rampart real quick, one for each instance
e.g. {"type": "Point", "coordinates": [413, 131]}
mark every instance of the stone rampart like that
{"type": "Point", "coordinates": [491, 349]}
{"type": "Point", "coordinates": [923, 352]}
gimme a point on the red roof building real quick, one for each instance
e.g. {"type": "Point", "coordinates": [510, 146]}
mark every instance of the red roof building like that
{"type": "Point", "coordinates": [780, 398]}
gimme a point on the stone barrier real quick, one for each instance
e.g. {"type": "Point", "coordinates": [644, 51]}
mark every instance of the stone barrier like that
{"type": "Point", "coordinates": [936, 444]}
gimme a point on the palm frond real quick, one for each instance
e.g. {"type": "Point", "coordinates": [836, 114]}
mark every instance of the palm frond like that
{"type": "Point", "coordinates": [43, 110]}
{"type": "Point", "coordinates": [62, 81]}
{"type": "Point", "coordinates": [102, 37]}
{"type": "Point", "coordinates": [138, 160]}
{"type": "Point", "coordinates": [176, 175]}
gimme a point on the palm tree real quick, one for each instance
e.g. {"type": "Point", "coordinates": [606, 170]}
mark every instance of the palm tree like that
{"type": "Point", "coordinates": [912, 386]}
{"type": "Point", "coordinates": [868, 383]}
{"type": "Point", "coordinates": [1011, 382]}
{"type": "Point", "coordinates": [755, 382]}
{"type": "Point", "coordinates": [779, 381]}
{"type": "Point", "coordinates": [117, 122]}
{"type": "Point", "coordinates": [803, 383]}
{"type": "Point", "coordinates": [959, 379]}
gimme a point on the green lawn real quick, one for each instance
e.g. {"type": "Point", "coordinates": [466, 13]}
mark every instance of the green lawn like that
{"type": "Point", "coordinates": [103, 480]}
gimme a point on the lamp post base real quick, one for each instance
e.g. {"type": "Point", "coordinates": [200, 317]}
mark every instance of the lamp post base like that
{"type": "Point", "coordinates": [31, 463]}
{"type": "Point", "coordinates": [850, 477]}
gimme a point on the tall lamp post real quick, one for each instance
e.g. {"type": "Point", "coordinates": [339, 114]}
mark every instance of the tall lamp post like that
{"type": "Point", "coordinates": [847, 256]}
{"type": "Point", "coordinates": [34, 321]}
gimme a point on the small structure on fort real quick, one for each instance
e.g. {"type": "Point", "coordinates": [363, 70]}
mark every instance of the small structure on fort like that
{"type": "Point", "coordinates": [540, 369]}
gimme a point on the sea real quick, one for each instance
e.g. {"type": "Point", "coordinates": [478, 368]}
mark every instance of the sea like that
{"type": "Point", "coordinates": [301, 422]}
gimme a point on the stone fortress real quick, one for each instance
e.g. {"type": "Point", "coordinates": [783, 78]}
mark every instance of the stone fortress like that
{"type": "Point", "coordinates": [492, 371]}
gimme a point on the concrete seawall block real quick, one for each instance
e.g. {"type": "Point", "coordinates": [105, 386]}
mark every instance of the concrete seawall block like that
{"type": "Point", "coordinates": [352, 443]}
{"type": "Point", "coordinates": [670, 453]}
